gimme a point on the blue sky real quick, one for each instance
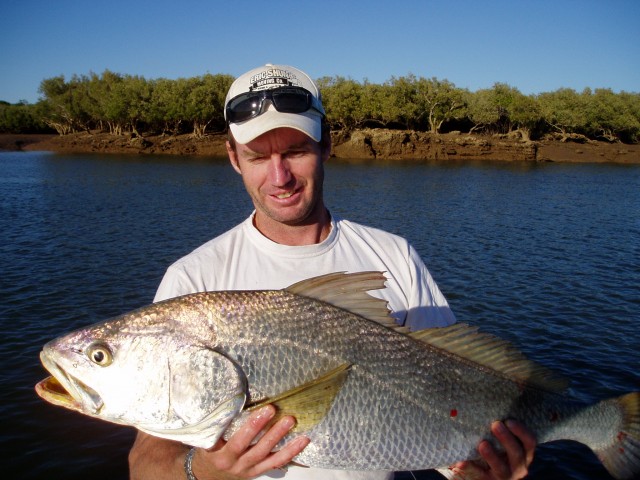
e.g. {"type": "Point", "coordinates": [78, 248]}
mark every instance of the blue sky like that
{"type": "Point", "coordinates": [535, 46]}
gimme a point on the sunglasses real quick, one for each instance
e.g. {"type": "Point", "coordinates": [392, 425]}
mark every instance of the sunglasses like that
{"type": "Point", "coordinates": [249, 105]}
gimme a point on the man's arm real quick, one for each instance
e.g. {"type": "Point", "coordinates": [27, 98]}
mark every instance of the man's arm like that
{"type": "Point", "coordinates": [153, 458]}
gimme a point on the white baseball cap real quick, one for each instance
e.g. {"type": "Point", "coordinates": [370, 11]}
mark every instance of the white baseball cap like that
{"type": "Point", "coordinates": [260, 121]}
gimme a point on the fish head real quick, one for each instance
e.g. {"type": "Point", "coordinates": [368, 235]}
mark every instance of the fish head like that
{"type": "Point", "coordinates": [149, 375]}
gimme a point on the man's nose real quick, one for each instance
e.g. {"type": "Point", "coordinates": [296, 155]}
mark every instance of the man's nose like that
{"type": "Point", "coordinates": [279, 172]}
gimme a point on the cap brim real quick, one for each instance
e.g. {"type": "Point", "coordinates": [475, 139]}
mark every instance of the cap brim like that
{"type": "Point", "coordinates": [309, 123]}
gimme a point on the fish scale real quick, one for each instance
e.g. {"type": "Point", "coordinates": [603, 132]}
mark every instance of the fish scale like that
{"type": "Point", "coordinates": [369, 395]}
{"type": "Point", "coordinates": [381, 399]}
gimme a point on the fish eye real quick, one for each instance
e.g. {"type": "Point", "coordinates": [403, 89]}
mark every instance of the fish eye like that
{"type": "Point", "coordinates": [100, 354]}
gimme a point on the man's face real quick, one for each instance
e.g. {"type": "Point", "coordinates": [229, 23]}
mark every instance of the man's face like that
{"type": "Point", "coordinates": [283, 173]}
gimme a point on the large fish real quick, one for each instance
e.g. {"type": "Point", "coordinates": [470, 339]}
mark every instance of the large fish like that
{"type": "Point", "coordinates": [323, 350]}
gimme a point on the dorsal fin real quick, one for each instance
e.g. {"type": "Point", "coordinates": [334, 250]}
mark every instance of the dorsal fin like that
{"type": "Point", "coordinates": [349, 292]}
{"type": "Point", "coordinates": [492, 352]}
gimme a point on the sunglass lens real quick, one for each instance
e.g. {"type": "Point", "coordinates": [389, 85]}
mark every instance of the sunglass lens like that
{"type": "Point", "coordinates": [291, 102]}
{"type": "Point", "coordinates": [243, 108]}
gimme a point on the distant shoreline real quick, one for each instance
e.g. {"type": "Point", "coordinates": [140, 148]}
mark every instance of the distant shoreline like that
{"type": "Point", "coordinates": [360, 145]}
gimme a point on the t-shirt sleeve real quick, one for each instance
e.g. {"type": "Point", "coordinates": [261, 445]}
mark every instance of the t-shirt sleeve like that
{"type": "Point", "coordinates": [427, 305]}
{"type": "Point", "coordinates": [174, 283]}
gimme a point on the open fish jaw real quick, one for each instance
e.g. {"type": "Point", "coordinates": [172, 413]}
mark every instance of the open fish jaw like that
{"type": "Point", "coordinates": [65, 390]}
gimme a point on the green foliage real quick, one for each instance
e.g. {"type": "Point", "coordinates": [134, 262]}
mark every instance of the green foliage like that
{"type": "Point", "coordinates": [408, 101]}
{"type": "Point", "coordinates": [611, 116]}
{"type": "Point", "coordinates": [630, 128]}
{"type": "Point", "coordinates": [342, 100]}
{"type": "Point", "coordinates": [482, 110]}
{"type": "Point", "coordinates": [503, 109]}
{"type": "Point", "coordinates": [62, 104]}
{"type": "Point", "coordinates": [205, 101]}
{"type": "Point", "coordinates": [21, 118]}
{"type": "Point", "coordinates": [167, 108]}
{"type": "Point", "coordinates": [564, 110]}
{"type": "Point", "coordinates": [440, 100]}
{"type": "Point", "coordinates": [126, 103]}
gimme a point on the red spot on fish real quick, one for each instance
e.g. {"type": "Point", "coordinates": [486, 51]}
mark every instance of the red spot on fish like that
{"type": "Point", "coordinates": [621, 436]}
{"type": "Point", "coordinates": [553, 416]}
{"type": "Point", "coordinates": [453, 413]}
{"type": "Point", "coordinates": [621, 450]}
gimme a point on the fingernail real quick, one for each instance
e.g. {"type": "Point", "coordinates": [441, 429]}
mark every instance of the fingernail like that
{"type": "Point", "coordinates": [499, 427]}
{"type": "Point", "coordinates": [266, 412]}
{"type": "Point", "coordinates": [301, 442]}
{"type": "Point", "coordinates": [511, 424]}
{"type": "Point", "coordinates": [484, 448]}
{"type": "Point", "coordinates": [288, 422]}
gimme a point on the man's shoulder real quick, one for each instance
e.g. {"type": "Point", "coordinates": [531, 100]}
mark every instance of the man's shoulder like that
{"type": "Point", "coordinates": [218, 246]}
{"type": "Point", "coordinates": [222, 240]}
{"type": "Point", "coordinates": [349, 227]}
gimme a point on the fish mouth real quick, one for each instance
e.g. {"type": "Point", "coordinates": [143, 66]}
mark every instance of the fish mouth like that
{"type": "Point", "coordinates": [66, 390]}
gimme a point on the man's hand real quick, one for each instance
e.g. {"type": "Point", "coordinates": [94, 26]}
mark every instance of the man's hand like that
{"type": "Point", "coordinates": [153, 458]}
{"type": "Point", "coordinates": [519, 445]}
{"type": "Point", "coordinates": [239, 459]}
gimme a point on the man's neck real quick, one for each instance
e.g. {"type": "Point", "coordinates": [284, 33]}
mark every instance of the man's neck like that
{"type": "Point", "coordinates": [308, 233]}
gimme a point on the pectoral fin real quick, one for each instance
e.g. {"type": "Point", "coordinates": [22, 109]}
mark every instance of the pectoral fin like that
{"type": "Point", "coordinates": [310, 402]}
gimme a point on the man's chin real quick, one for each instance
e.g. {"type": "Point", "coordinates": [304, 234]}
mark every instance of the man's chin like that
{"type": "Point", "coordinates": [290, 216]}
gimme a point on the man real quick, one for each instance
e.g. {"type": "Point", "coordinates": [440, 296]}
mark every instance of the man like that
{"type": "Point", "coordinates": [278, 143]}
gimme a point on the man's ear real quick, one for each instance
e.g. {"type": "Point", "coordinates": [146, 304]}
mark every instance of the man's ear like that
{"type": "Point", "coordinates": [233, 157]}
{"type": "Point", "coordinates": [325, 148]}
{"type": "Point", "coordinates": [325, 141]}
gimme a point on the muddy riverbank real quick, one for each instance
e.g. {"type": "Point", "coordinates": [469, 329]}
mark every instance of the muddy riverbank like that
{"type": "Point", "coordinates": [366, 144]}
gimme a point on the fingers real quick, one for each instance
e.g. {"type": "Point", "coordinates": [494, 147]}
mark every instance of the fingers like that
{"type": "Point", "coordinates": [282, 457]}
{"type": "Point", "coordinates": [243, 438]}
{"type": "Point", "coordinates": [519, 446]}
{"type": "Point", "coordinates": [498, 467]}
{"type": "Point", "coordinates": [464, 470]}
{"type": "Point", "coordinates": [527, 439]}
{"type": "Point", "coordinates": [249, 452]}
{"type": "Point", "coordinates": [261, 456]}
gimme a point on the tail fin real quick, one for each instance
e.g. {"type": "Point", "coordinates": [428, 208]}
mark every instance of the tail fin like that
{"type": "Point", "coordinates": [622, 456]}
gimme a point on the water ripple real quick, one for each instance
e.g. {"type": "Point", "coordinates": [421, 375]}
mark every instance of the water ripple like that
{"type": "Point", "coordinates": [546, 256]}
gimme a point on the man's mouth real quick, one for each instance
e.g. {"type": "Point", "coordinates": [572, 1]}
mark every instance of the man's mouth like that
{"type": "Point", "coordinates": [285, 195]}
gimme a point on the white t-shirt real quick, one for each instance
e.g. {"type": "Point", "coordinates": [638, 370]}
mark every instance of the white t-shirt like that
{"type": "Point", "coordinates": [244, 259]}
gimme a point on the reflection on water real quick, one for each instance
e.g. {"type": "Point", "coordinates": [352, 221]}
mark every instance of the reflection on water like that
{"type": "Point", "coordinates": [545, 255]}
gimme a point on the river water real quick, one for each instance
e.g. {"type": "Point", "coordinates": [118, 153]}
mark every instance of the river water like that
{"type": "Point", "coordinates": [544, 255]}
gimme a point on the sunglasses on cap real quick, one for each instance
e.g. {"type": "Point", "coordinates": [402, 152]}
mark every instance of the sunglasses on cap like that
{"type": "Point", "coordinates": [249, 105]}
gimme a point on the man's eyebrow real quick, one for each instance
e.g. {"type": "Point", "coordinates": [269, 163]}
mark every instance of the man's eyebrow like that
{"type": "Point", "coordinates": [251, 153]}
